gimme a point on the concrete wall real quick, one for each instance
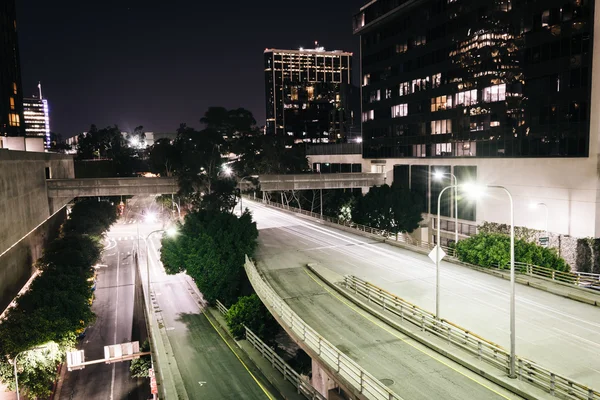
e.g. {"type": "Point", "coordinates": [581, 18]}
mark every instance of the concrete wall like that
{"type": "Point", "coordinates": [29, 220]}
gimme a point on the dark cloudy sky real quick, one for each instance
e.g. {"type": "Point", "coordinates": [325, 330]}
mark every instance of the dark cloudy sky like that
{"type": "Point", "coordinates": [159, 63]}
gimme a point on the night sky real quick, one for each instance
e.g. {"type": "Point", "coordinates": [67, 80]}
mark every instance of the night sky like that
{"type": "Point", "coordinates": [160, 63]}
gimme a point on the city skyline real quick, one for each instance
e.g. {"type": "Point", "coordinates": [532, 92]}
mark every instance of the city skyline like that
{"type": "Point", "coordinates": [132, 64]}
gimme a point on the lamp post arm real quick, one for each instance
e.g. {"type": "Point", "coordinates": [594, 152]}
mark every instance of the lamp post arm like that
{"type": "Point", "coordinates": [437, 253]}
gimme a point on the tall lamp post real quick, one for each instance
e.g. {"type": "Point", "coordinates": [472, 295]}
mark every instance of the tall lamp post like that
{"type": "Point", "coordinates": [437, 253]}
{"type": "Point", "coordinates": [513, 336]}
{"type": "Point", "coordinates": [438, 175]}
{"type": "Point", "coordinates": [15, 367]}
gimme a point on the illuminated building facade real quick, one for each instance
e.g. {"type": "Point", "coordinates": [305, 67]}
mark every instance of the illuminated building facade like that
{"type": "Point", "coordinates": [476, 78]}
{"type": "Point", "coordinates": [309, 94]}
{"type": "Point", "coordinates": [37, 119]}
{"type": "Point", "coordinates": [11, 96]}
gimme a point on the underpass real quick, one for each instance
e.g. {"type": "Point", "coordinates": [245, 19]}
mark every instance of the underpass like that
{"type": "Point", "coordinates": [555, 332]}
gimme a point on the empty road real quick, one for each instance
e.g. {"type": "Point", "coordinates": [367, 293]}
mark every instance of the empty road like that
{"type": "Point", "coordinates": [558, 333]}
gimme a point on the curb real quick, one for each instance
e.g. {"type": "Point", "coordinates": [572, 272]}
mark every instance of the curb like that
{"type": "Point", "coordinates": [426, 342]}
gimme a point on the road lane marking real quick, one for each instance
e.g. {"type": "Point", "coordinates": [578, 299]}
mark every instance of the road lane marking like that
{"type": "Point", "coordinates": [394, 333]}
{"type": "Point", "coordinates": [238, 357]}
{"type": "Point", "coordinates": [201, 383]}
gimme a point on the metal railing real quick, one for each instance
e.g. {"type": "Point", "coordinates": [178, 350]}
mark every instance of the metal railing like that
{"type": "Point", "coordinates": [484, 350]}
{"type": "Point", "coordinates": [329, 355]}
{"type": "Point", "coordinates": [289, 374]}
{"type": "Point", "coordinates": [582, 279]}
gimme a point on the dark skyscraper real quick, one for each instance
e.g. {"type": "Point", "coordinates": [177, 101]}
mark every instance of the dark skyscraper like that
{"type": "Point", "coordinates": [476, 78]}
{"type": "Point", "coordinates": [309, 94]}
{"type": "Point", "coordinates": [11, 96]}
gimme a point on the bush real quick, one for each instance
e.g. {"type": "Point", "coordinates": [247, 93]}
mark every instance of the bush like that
{"type": "Point", "coordinates": [140, 366]}
{"type": "Point", "coordinates": [488, 250]}
{"type": "Point", "coordinates": [91, 217]}
{"type": "Point", "coordinates": [250, 311]}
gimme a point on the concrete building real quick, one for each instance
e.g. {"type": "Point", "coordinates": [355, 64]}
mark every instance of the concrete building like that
{"type": "Point", "coordinates": [11, 94]}
{"type": "Point", "coordinates": [496, 92]}
{"type": "Point", "coordinates": [309, 94]}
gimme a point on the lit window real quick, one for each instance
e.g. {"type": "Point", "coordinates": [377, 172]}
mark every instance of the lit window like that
{"type": "Point", "coordinates": [366, 79]}
{"type": "Point", "coordinates": [467, 98]}
{"type": "Point", "coordinates": [14, 119]}
{"type": "Point", "coordinates": [368, 116]}
{"type": "Point", "coordinates": [436, 80]}
{"type": "Point", "coordinates": [401, 110]}
{"type": "Point", "coordinates": [14, 87]}
{"type": "Point", "coordinates": [494, 93]}
{"type": "Point", "coordinates": [401, 48]}
{"type": "Point", "coordinates": [419, 150]}
{"type": "Point", "coordinates": [443, 149]}
{"type": "Point", "coordinates": [12, 103]}
{"type": "Point", "coordinates": [420, 84]}
{"type": "Point", "coordinates": [375, 96]}
{"type": "Point", "coordinates": [419, 41]}
{"type": "Point", "coordinates": [441, 103]}
{"type": "Point", "coordinates": [441, 127]}
{"type": "Point", "coordinates": [493, 124]}
{"type": "Point", "coordinates": [404, 88]}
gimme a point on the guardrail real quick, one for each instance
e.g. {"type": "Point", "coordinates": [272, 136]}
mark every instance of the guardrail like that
{"type": "Point", "coordinates": [581, 279]}
{"type": "Point", "coordinates": [289, 374]}
{"type": "Point", "coordinates": [484, 350]}
{"type": "Point", "coordinates": [363, 382]}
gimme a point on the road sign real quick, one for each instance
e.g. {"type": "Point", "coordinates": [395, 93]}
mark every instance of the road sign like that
{"type": "Point", "coordinates": [544, 241]}
{"type": "Point", "coordinates": [433, 254]}
{"type": "Point", "coordinates": [75, 359]}
{"type": "Point", "coordinates": [117, 351]}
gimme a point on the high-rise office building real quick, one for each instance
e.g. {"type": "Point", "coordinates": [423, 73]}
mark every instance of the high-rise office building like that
{"type": "Point", "coordinates": [11, 96]}
{"type": "Point", "coordinates": [37, 119]}
{"type": "Point", "coordinates": [309, 94]}
{"type": "Point", "coordinates": [501, 92]}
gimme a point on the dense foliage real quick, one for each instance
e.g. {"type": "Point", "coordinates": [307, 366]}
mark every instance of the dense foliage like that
{"type": "Point", "coordinates": [250, 311]}
{"type": "Point", "coordinates": [488, 250]}
{"type": "Point", "coordinates": [139, 367]}
{"type": "Point", "coordinates": [211, 247]}
{"type": "Point", "coordinates": [391, 208]}
{"type": "Point", "coordinates": [57, 305]}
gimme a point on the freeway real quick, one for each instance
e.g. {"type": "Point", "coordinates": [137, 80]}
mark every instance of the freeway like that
{"type": "Point", "coordinates": [558, 333]}
{"type": "Point", "coordinates": [207, 364]}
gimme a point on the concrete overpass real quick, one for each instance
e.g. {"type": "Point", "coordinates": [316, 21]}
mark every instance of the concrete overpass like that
{"type": "Point", "coordinates": [272, 183]}
{"type": "Point", "coordinates": [71, 188]}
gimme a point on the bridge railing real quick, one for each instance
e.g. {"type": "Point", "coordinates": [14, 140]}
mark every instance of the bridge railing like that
{"type": "Point", "coordinates": [278, 363]}
{"type": "Point", "coordinates": [484, 350]}
{"type": "Point", "coordinates": [363, 382]}
{"type": "Point", "coordinates": [581, 279]}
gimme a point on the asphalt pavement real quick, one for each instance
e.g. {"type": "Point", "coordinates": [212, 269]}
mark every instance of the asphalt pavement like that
{"type": "Point", "coordinates": [558, 333]}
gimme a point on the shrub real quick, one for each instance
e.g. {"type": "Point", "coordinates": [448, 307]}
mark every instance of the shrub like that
{"type": "Point", "coordinates": [249, 311]}
{"type": "Point", "coordinates": [486, 250]}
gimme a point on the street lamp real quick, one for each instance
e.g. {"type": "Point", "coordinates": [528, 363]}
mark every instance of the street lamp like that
{"type": "Point", "coordinates": [227, 171]}
{"type": "Point", "coordinates": [15, 366]}
{"type": "Point", "coordinates": [437, 252]}
{"type": "Point", "coordinates": [240, 185]}
{"type": "Point", "coordinates": [536, 205]}
{"type": "Point", "coordinates": [513, 335]}
{"type": "Point", "coordinates": [438, 175]}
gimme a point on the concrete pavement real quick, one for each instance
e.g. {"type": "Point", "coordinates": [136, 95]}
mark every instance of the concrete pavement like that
{"type": "Point", "coordinates": [558, 333]}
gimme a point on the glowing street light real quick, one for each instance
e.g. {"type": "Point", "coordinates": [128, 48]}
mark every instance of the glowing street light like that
{"type": "Point", "coordinates": [150, 217]}
{"type": "Point", "coordinates": [227, 171]}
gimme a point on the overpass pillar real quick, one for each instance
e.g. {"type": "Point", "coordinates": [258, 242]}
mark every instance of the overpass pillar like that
{"type": "Point", "coordinates": [324, 383]}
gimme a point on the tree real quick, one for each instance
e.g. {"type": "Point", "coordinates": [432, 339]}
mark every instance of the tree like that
{"type": "Point", "coordinates": [222, 198]}
{"type": "Point", "coordinates": [393, 209]}
{"type": "Point", "coordinates": [91, 217]}
{"type": "Point", "coordinates": [211, 247]}
{"type": "Point", "coordinates": [487, 250]}
{"type": "Point", "coordinates": [249, 311]}
{"type": "Point", "coordinates": [140, 366]}
{"type": "Point", "coordinates": [164, 158]}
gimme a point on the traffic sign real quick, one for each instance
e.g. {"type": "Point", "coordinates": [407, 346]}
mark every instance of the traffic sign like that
{"type": "Point", "coordinates": [433, 254]}
{"type": "Point", "coordinates": [544, 241]}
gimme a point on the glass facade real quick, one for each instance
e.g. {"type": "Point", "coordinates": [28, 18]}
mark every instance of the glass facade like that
{"type": "Point", "coordinates": [11, 96]}
{"type": "Point", "coordinates": [37, 120]}
{"type": "Point", "coordinates": [476, 78]}
{"type": "Point", "coordinates": [309, 94]}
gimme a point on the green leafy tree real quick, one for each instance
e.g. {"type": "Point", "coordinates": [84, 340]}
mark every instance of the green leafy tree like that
{"type": "Point", "coordinates": [90, 216]}
{"type": "Point", "coordinates": [249, 311]}
{"type": "Point", "coordinates": [211, 248]}
{"type": "Point", "coordinates": [140, 366]}
{"type": "Point", "coordinates": [394, 209]}
{"type": "Point", "coordinates": [487, 250]}
{"type": "Point", "coordinates": [164, 158]}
